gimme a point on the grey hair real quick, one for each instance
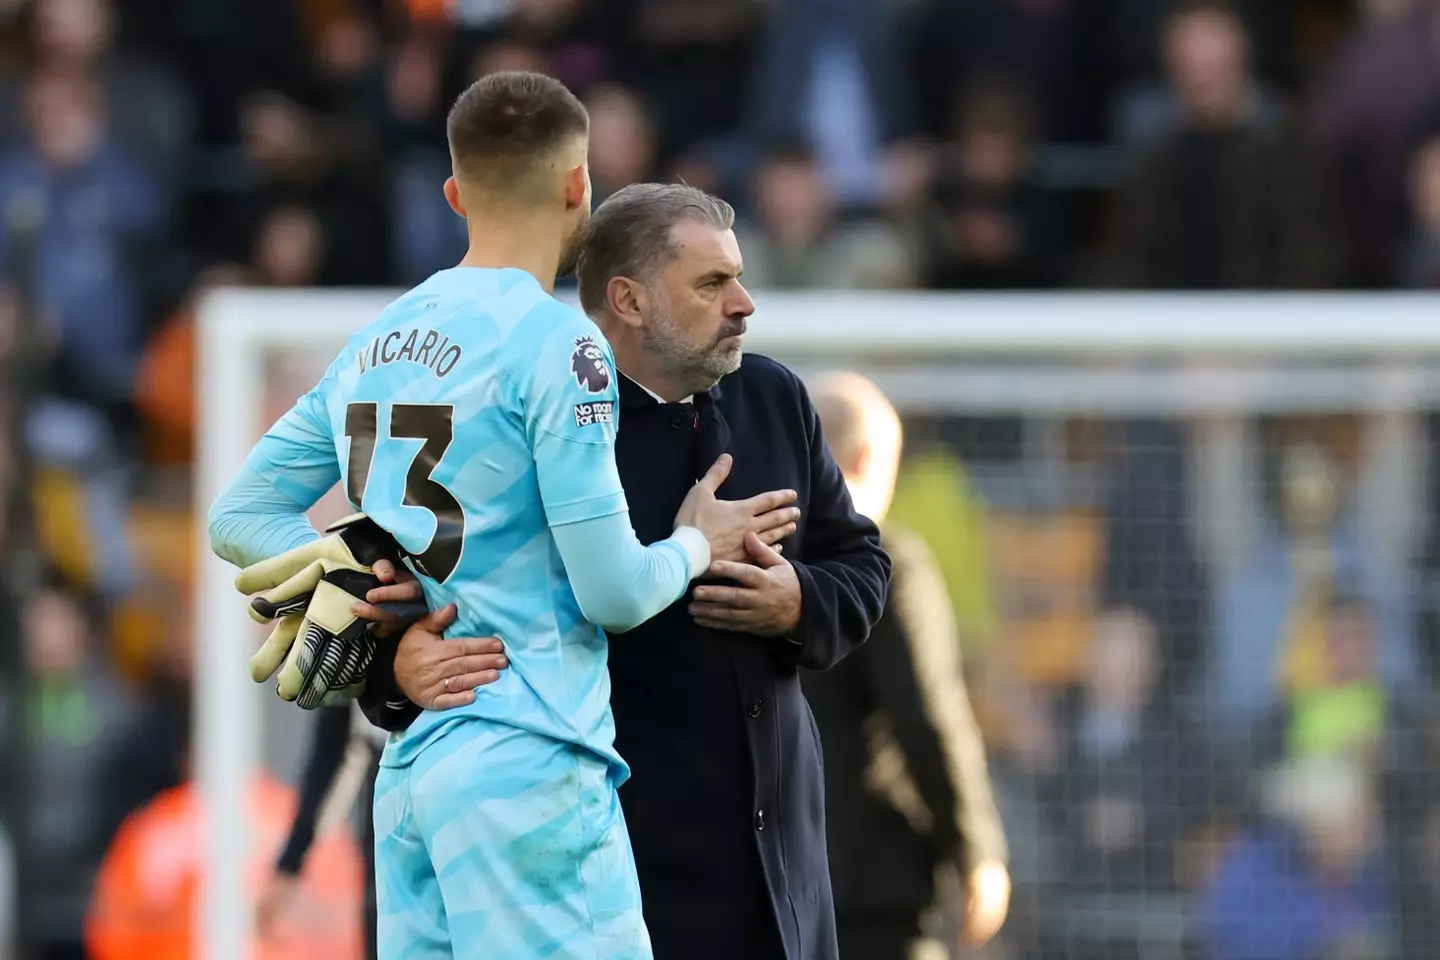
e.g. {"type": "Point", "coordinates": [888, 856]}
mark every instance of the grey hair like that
{"type": "Point", "coordinates": [629, 234]}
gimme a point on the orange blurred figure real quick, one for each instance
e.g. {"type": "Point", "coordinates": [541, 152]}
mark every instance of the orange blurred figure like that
{"type": "Point", "coordinates": [146, 894]}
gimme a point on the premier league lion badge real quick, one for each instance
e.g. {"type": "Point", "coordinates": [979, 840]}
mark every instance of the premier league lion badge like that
{"type": "Point", "coordinates": [589, 366]}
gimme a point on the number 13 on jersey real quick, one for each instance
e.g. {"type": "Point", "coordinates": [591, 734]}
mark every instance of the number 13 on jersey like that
{"type": "Point", "coordinates": [432, 423]}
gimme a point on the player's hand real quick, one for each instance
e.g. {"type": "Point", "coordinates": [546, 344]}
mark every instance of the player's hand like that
{"type": "Point", "coordinates": [320, 649]}
{"type": "Point", "coordinates": [440, 674]}
{"type": "Point", "coordinates": [987, 902]}
{"type": "Point", "coordinates": [402, 598]}
{"type": "Point", "coordinates": [275, 901]}
{"type": "Point", "coordinates": [767, 601]}
{"type": "Point", "coordinates": [726, 523]}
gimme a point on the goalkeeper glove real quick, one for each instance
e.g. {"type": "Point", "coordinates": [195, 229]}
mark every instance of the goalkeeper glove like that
{"type": "Point", "coordinates": [320, 648]}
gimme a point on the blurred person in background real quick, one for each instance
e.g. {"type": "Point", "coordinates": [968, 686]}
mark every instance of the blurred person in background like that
{"type": "Point", "coordinates": [1049, 49]}
{"type": "Point", "coordinates": [1310, 879]}
{"type": "Point", "coordinates": [694, 63]}
{"type": "Point", "coordinates": [1134, 783]}
{"type": "Point", "coordinates": [574, 41]}
{"type": "Point", "coordinates": [289, 159]}
{"type": "Point", "coordinates": [830, 75]}
{"type": "Point", "coordinates": [1420, 269]}
{"type": "Point", "coordinates": [289, 248]}
{"type": "Point", "coordinates": [1351, 710]}
{"type": "Point", "coordinates": [151, 115]}
{"type": "Point", "coordinates": [79, 218]}
{"type": "Point", "coordinates": [622, 140]}
{"type": "Point", "coordinates": [799, 239]}
{"type": "Point", "coordinates": [77, 211]}
{"type": "Point", "coordinates": [1151, 563]}
{"type": "Point", "coordinates": [288, 251]}
{"type": "Point", "coordinates": [1353, 713]}
{"type": "Point", "coordinates": [1272, 609]}
{"type": "Point", "coordinates": [145, 902]}
{"type": "Point", "coordinates": [344, 755]}
{"type": "Point", "coordinates": [1383, 83]}
{"type": "Point", "coordinates": [79, 715]}
{"type": "Point", "coordinates": [1222, 202]}
{"type": "Point", "coordinates": [990, 225]}
{"type": "Point", "coordinates": [150, 757]}
{"type": "Point", "coordinates": [906, 786]}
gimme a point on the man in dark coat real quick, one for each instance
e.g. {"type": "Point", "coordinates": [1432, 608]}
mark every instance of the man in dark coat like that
{"type": "Point", "coordinates": [908, 794]}
{"type": "Point", "coordinates": [726, 806]}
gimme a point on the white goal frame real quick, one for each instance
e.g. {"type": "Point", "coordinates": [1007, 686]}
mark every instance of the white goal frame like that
{"type": "Point", "coordinates": [856, 330]}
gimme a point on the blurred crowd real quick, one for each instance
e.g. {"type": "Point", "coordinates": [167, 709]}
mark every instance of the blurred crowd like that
{"type": "Point", "coordinates": [1210, 723]}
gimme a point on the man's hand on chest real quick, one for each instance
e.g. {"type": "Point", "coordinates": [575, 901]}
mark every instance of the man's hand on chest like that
{"type": "Point", "coordinates": [765, 601]}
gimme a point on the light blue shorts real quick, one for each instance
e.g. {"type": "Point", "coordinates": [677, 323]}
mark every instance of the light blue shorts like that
{"type": "Point", "coordinates": [500, 844]}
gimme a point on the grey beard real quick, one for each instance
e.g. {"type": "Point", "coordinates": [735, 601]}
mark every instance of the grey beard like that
{"type": "Point", "coordinates": [697, 370]}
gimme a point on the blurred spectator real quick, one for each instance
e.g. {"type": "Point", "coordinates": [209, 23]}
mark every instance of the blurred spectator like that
{"type": "Point", "coordinates": [1310, 880]}
{"type": "Point", "coordinates": [289, 248]}
{"type": "Point", "coordinates": [990, 225]}
{"type": "Point", "coordinates": [622, 140]}
{"type": "Point", "coordinates": [1049, 48]}
{"type": "Point", "coordinates": [78, 715]}
{"type": "Point", "coordinates": [1351, 711]}
{"type": "Point", "coordinates": [150, 113]}
{"type": "Point", "coordinates": [1150, 559]}
{"type": "Point", "coordinates": [831, 76]}
{"type": "Point", "coordinates": [1137, 782]}
{"type": "Point", "coordinates": [907, 790]}
{"type": "Point", "coordinates": [1385, 81]}
{"type": "Point", "coordinates": [1222, 202]}
{"type": "Point", "coordinates": [414, 111]}
{"type": "Point", "coordinates": [575, 40]}
{"type": "Point", "coordinates": [145, 898]}
{"type": "Point", "coordinates": [427, 234]}
{"type": "Point", "coordinates": [165, 386]}
{"type": "Point", "coordinates": [1421, 267]}
{"type": "Point", "coordinates": [290, 163]}
{"type": "Point", "coordinates": [151, 756]}
{"type": "Point", "coordinates": [77, 212]}
{"type": "Point", "coordinates": [1354, 714]}
{"type": "Point", "coordinates": [288, 252]}
{"type": "Point", "coordinates": [227, 50]}
{"type": "Point", "coordinates": [800, 241]}
{"type": "Point", "coordinates": [1271, 613]}
{"type": "Point", "coordinates": [692, 61]}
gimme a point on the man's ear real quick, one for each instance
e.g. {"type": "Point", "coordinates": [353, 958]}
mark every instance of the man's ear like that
{"type": "Point", "coordinates": [452, 196]}
{"type": "Point", "coordinates": [628, 300]}
{"type": "Point", "coordinates": [863, 456]}
{"type": "Point", "coordinates": [577, 187]}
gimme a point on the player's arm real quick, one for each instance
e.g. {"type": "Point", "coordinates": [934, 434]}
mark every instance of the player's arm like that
{"type": "Point", "coordinates": [262, 513]}
{"type": "Point", "coordinates": [571, 422]}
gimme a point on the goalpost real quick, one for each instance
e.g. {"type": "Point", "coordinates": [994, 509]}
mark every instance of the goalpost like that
{"type": "Point", "coordinates": [1028, 356]}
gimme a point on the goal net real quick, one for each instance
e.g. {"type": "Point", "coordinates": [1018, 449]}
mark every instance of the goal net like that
{"type": "Point", "coordinates": [1189, 544]}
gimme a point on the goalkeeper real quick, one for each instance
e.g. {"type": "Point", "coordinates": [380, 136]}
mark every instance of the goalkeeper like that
{"type": "Point", "coordinates": [475, 420]}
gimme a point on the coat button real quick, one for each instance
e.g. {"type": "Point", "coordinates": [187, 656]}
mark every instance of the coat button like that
{"type": "Point", "coordinates": [677, 422]}
{"type": "Point", "coordinates": [756, 708]}
{"type": "Point", "coordinates": [760, 820]}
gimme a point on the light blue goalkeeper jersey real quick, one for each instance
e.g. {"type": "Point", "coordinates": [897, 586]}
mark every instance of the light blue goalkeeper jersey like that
{"type": "Point", "coordinates": [472, 417]}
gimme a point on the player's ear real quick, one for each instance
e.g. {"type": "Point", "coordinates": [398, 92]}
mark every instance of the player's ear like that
{"type": "Point", "coordinates": [577, 188]}
{"type": "Point", "coordinates": [628, 300]}
{"type": "Point", "coordinates": [452, 196]}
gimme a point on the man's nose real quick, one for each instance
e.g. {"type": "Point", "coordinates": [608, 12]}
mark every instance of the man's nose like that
{"type": "Point", "coordinates": [739, 303]}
